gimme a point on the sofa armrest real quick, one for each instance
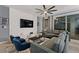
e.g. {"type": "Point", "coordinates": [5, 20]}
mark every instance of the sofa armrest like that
{"type": "Point", "coordinates": [36, 48]}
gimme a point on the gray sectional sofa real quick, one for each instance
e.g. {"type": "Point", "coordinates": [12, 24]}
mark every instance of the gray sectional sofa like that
{"type": "Point", "coordinates": [53, 45]}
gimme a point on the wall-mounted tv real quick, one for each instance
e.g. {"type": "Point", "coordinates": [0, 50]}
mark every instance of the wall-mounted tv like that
{"type": "Point", "coordinates": [24, 23]}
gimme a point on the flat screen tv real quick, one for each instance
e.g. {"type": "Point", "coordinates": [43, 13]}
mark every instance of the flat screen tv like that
{"type": "Point", "coordinates": [24, 23]}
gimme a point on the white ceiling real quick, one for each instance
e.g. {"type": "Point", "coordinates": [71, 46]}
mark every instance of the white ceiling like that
{"type": "Point", "coordinates": [31, 8]}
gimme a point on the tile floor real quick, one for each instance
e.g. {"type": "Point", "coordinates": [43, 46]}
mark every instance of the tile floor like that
{"type": "Point", "coordinates": [73, 48]}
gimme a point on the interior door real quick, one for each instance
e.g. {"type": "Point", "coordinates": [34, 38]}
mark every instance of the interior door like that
{"type": "Point", "coordinates": [4, 29]}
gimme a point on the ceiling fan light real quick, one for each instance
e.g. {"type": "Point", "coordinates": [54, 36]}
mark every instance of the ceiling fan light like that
{"type": "Point", "coordinates": [45, 12]}
{"type": "Point", "coordinates": [46, 16]}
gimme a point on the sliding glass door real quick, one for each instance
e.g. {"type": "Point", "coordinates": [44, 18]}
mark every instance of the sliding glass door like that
{"type": "Point", "coordinates": [74, 27]}
{"type": "Point", "coordinates": [69, 23]}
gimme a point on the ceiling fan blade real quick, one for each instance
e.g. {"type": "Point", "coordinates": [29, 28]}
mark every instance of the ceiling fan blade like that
{"type": "Point", "coordinates": [39, 9]}
{"type": "Point", "coordinates": [41, 13]}
{"type": "Point", "coordinates": [44, 7]}
{"type": "Point", "coordinates": [51, 10]}
{"type": "Point", "coordinates": [50, 13]}
{"type": "Point", "coordinates": [51, 7]}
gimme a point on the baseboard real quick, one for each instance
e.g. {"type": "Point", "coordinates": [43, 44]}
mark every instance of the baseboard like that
{"type": "Point", "coordinates": [3, 42]}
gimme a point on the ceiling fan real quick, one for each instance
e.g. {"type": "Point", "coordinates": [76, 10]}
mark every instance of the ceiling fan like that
{"type": "Point", "coordinates": [45, 11]}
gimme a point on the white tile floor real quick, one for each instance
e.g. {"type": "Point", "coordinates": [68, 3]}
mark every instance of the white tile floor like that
{"type": "Point", "coordinates": [73, 46]}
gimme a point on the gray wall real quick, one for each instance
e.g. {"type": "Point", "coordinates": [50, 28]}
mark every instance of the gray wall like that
{"type": "Point", "coordinates": [4, 32]}
{"type": "Point", "coordinates": [4, 11]}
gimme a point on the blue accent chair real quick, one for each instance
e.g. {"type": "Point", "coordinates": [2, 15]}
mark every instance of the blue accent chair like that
{"type": "Point", "coordinates": [20, 44]}
{"type": "Point", "coordinates": [11, 37]}
{"type": "Point", "coordinates": [21, 39]}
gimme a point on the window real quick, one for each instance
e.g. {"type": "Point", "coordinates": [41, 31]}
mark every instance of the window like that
{"type": "Point", "coordinates": [59, 23]}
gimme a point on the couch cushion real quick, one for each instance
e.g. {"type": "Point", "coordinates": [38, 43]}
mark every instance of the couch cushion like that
{"type": "Point", "coordinates": [36, 48]}
{"type": "Point", "coordinates": [48, 43]}
{"type": "Point", "coordinates": [55, 47]}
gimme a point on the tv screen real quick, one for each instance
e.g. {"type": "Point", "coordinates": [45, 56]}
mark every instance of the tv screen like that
{"type": "Point", "coordinates": [24, 23]}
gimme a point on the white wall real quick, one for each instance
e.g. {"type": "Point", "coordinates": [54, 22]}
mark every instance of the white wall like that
{"type": "Point", "coordinates": [14, 22]}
